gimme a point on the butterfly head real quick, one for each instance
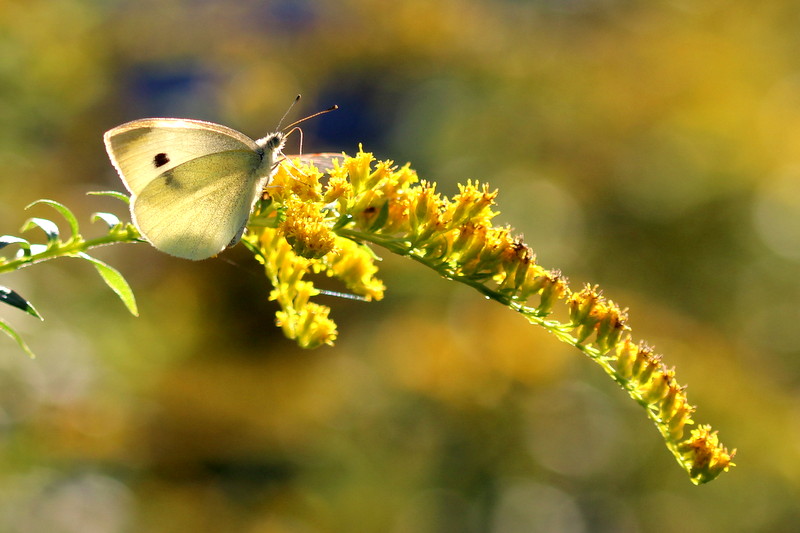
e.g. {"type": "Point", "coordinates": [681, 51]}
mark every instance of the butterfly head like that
{"type": "Point", "coordinates": [272, 143]}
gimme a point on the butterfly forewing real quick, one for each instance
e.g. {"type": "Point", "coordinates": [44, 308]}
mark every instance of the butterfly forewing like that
{"type": "Point", "coordinates": [144, 149]}
{"type": "Point", "coordinates": [194, 210]}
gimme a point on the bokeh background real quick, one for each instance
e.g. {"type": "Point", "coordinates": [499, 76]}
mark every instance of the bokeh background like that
{"type": "Point", "coordinates": [650, 147]}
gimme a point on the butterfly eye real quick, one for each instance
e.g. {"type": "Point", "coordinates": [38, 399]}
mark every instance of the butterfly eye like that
{"type": "Point", "coordinates": [160, 160]}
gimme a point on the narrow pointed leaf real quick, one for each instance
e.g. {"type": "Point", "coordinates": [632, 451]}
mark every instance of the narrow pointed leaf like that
{"type": "Point", "coordinates": [114, 194]}
{"type": "Point", "coordinates": [380, 220]}
{"type": "Point", "coordinates": [48, 226]}
{"type": "Point", "coordinates": [111, 220]}
{"type": "Point", "coordinates": [115, 281]}
{"type": "Point", "coordinates": [14, 335]}
{"type": "Point", "coordinates": [35, 249]}
{"type": "Point", "coordinates": [63, 210]}
{"type": "Point", "coordinates": [24, 245]}
{"type": "Point", "coordinates": [12, 298]}
{"type": "Point", "coordinates": [253, 248]}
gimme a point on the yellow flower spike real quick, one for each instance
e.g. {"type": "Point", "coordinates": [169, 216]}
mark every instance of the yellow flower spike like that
{"type": "Point", "coordinates": [398, 217]}
{"type": "Point", "coordinates": [283, 321]}
{"type": "Point", "coordinates": [527, 261]}
{"type": "Point", "coordinates": [427, 222]}
{"type": "Point", "coordinates": [611, 327]}
{"type": "Point", "coordinates": [310, 326]}
{"type": "Point", "coordinates": [290, 182]}
{"type": "Point", "coordinates": [644, 355]}
{"type": "Point", "coordinates": [466, 245]}
{"type": "Point", "coordinates": [708, 457]}
{"type": "Point", "coordinates": [659, 386]}
{"type": "Point", "coordinates": [438, 249]}
{"type": "Point", "coordinates": [358, 170]}
{"type": "Point", "coordinates": [353, 264]}
{"type": "Point", "coordinates": [363, 202]}
{"type": "Point", "coordinates": [303, 292]}
{"type": "Point", "coordinates": [532, 283]}
{"type": "Point", "coordinates": [626, 355]}
{"type": "Point", "coordinates": [427, 206]}
{"type": "Point", "coordinates": [497, 241]}
{"type": "Point", "coordinates": [305, 230]}
{"type": "Point", "coordinates": [651, 365]}
{"type": "Point", "coordinates": [618, 328]}
{"type": "Point", "coordinates": [588, 327]}
{"type": "Point", "coordinates": [299, 319]}
{"type": "Point", "coordinates": [513, 261]}
{"type": "Point", "coordinates": [469, 243]}
{"type": "Point", "coordinates": [681, 417]}
{"type": "Point", "coordinates": [316, 328]}
{"type": "Point", "coordinates": [675, 396]}
{"type": "Point", "coordinates": [473, 203]}
{"type": "Point", "coordinates": [555, 288]}
{"type": "Point", "coordinates": [581, 303]}
{"type": "Point", "coordinates": [369, 200]}
{"type": "Point", "coordinates": [338, 189]}
{"type": "Point", "coordinates": [403, 178]}
{"type": "Point", "coordinates": [509, 264]}
{"type": "Point", "coordinates": [381, 177]}
{"type": "Point", "coordinates": [430, 237]}
{"type": "Point", "coordinates": [301, 183]}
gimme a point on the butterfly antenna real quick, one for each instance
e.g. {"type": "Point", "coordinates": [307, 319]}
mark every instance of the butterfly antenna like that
{"type": "Point", "coordinates": [318, 113]}
{"type": "Point", "coordinates": [296, 99]}
{"type": "Point", "coordinates": [293, 126]}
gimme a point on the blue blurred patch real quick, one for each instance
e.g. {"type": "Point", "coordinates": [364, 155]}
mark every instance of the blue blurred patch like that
{"type": "Point", "coordinates": [363, 115]}
{"type": "Point", "coordinates": [170, 89]}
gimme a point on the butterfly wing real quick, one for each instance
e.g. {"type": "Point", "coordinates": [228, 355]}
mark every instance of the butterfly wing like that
{"type": "Point", "coordinates": [196, 209]}
{"type": "Point", "coordinates": [144, 149]}
{"type": "Point", "coordinates": [323, 161]}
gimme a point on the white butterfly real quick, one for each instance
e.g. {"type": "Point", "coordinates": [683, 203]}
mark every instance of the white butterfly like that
{"type": "Point", "coordinates": [192, 183]}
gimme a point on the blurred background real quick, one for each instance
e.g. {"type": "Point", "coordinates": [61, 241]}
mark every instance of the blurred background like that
{"type": "Point", "coordinates": [650, 147]}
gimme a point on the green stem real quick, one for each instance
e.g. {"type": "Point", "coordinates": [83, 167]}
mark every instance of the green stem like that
{"type": "Point", "coordinates": [71, 247]}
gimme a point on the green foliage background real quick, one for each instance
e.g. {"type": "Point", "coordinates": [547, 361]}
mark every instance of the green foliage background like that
{"type": "Point", "coordinates": [652, 148]}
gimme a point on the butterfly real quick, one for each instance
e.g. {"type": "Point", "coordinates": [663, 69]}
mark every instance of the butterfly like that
{"type": "Point", "coordinates": [192, 183]}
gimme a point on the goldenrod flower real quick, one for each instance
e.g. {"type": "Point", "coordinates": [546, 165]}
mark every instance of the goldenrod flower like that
{"type": "Point", "coordinates": [309, 224]}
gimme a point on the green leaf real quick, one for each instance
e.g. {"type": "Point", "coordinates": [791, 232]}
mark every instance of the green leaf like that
{"type": "Point", "coordinates": [111, 220]}
{"type": "Point", "coordinates": [24, 245]}
{"type": "Point", "coordinates": [48, 226]}
{"type": "Point", "coordinates": [14, 335]}
{"type": "Point", "coordinates": [373, 255]}
{"type": "Point", "coordinates": [114, 194]}
{"type": "Point", "coordinates": [38, 248]}
{"type": "Point", "coordinates": [115, 281]}
{"type": "Point", "coordinates": [380, 220]}
{"type": "Point", "coordinates": [254, 249]}
{"type": "Point", "coordinates": [343, 221]}
{"type": "Point", "coordinates": [63, 210]}
{"type": "Point", "coordinates": [13, 299]}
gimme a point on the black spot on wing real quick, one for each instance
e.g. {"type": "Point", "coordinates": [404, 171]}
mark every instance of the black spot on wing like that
{"type": "Point", "coordinates": [160, 160]}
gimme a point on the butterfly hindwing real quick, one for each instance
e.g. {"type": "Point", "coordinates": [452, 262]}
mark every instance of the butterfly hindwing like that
{"type": "Point", "coordinates": [144, 149]}
{"type": "Point", "coordinates": [194, 210]}
{"type": "Point", "coordinates": [323, 160]}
